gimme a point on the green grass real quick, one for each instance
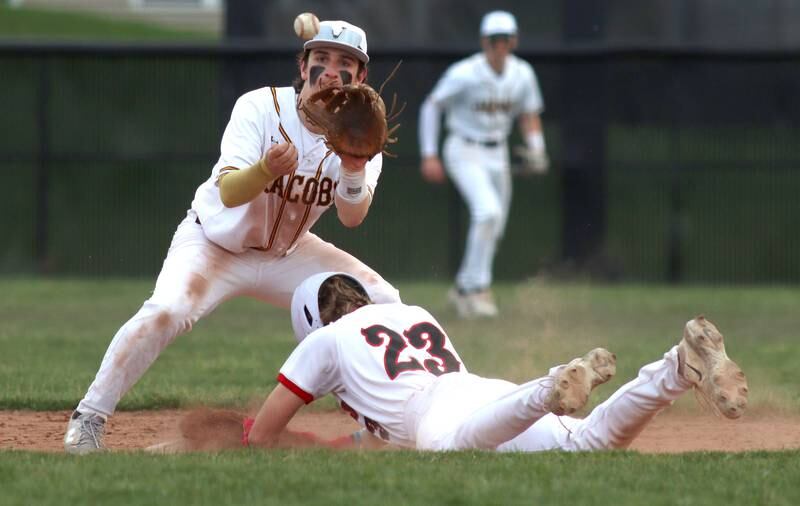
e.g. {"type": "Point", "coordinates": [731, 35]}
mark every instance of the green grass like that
{"type": "Point", "coordinates": [40, 24]}
{"type": "Point", "coordinates": [54, 333]}
{"type": "Point", "coordinates": [322, 477]}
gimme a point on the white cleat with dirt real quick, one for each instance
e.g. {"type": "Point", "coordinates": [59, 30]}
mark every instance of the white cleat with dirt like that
{"type": "Point", "coordinates": [575, 381]}
{"type": "Point", "coordinates": [717, 379]}
{"type": "Point", "coordinates": [85, 433]}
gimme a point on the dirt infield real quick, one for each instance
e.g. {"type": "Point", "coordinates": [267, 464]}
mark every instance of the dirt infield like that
{"type": "Point", "coordinates": [668, 433]}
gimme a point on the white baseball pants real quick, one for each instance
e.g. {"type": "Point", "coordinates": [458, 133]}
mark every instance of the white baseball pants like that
{"type": "Point", "coordinates": [482, 177]}
{"type": "Point", "coordinates": [460, 411]}
{"type": "Point", "coordinates": [196, 277]}
{"type": "Point", "coordinates": [616, 422]}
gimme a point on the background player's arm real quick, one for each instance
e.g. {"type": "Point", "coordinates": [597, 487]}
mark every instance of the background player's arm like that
{"type": "Point", "coordinates": [429, 120]}
{"type": "Point", "coordinates": [450, 88]}
{"type": "Point", "coordinates": [534, 152]}
{"type": "Point", "coordinates": [240, 186]}
{"type": "Point", "coordinates": [353, 196]}
{"type": "Point", "coordinates": [530, 123]}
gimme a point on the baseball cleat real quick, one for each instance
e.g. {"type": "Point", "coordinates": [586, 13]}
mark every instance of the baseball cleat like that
{"type": "Point", "coordinates": [575, 381]}
{"type": "Point", "coordinates": [84, 433]}
{"type": "Point", "coordinates": [483, 304]}
{"type": "Point", "coordinates": [461, 302]}
{"type": "Point", "coordinates": [717, 379]}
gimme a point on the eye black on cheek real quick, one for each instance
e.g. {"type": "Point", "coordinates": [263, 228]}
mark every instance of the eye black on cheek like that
{"type": "Point", "coordinates": [314, 72]}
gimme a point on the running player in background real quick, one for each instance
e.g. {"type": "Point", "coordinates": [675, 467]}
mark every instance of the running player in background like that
{"type": "Point", "coordinates": [481, 95]}
{"type": "Point", "coordinates": [394, 369]}
{"type": "Point", "coordinates": [247, 231]}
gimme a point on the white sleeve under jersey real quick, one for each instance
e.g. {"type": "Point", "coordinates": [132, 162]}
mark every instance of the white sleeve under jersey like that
{"type": "Point", "coordinates": [480, 104]}
{"type": "Point", "coordinates": [373, 360]}
{"type": "Point", "coordinates": [291, 204]}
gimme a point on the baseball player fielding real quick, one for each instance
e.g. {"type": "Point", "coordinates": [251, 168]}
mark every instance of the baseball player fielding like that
{"type": "Point", "coordinates": [306, 25]}
{"type": "Point", "coordinates": [274, 179]}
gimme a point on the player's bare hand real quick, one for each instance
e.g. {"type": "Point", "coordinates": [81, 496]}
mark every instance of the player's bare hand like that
{"type": "Point", "coordinates": [432, 169]}
{"type": "Point", "coordinates": [282, 159]}
{"type": "Point", "coordinates": [353, 163]}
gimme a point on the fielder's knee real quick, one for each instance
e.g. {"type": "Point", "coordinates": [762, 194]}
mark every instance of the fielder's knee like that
{"type": "Point", "coordinates": [167, 320]}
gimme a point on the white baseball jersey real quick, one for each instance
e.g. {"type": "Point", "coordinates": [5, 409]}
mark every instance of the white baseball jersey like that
{"type": "Point", "coordinates": [373, 360]}
{"type": "Point", "coordinates": [290, 205]}
{"type": "Point", "coordinates": [481, 104]}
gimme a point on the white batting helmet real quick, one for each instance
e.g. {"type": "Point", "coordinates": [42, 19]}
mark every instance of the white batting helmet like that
{"type": "Point", "coordinates": [341, 35]}
{"type": "Point", "coordinates": [305, 303]}
{"type": "Point", "coordinates": [498, 23]}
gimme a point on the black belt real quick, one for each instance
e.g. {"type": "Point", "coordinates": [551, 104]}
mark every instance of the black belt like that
{"type": "Point", "coordinates": [486, 144]}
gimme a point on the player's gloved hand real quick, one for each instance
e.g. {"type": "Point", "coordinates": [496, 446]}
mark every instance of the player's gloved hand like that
{"type": "Point", "coordinates": [535, 162]}
{"type": "Point", "coordinates": [352, 163]}
{"type": "Point", "coordinates": [353, 119]}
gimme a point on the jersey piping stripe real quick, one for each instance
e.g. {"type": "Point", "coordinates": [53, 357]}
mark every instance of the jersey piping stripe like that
{"type": "Point", "coordinates": [308, 206]}
{"type": "Point", "coordinates": [305, 396]}
{"type": "Point", "coordinates": [284, 134]}
{"type": "Point", "coordinates": [285, 195]}
{"type": "Point", "coordinates": [275, 99]}
{"type": "Point", "coordinates": [278, 110]}
{"type": "Point", "coordinates": [278, 218]}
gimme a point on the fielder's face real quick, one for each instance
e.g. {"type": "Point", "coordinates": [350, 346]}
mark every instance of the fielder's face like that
{"type": "Point", "coordinates": [329, 67]}
{"type": "Point", "coordinates": [498, 47]}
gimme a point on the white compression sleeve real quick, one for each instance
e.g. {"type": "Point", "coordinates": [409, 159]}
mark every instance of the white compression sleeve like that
{"type": "Point", "coordinates": [352, 186]}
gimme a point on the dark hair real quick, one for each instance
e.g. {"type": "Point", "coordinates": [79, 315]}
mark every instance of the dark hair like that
{"type": "Point", "coordinates": [302, 57]}
{"type": "Point", "coordinates": [339, 295]}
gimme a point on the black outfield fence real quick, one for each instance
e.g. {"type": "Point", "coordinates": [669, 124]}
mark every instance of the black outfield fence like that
{"type": "Point", "coordinates": [676, 165]}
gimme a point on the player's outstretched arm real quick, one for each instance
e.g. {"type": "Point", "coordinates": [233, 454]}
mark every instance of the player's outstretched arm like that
{"type": "Point", "coordinates": [359, 440]}
{"type": "Point", "coordinates": [269, 429]}
{"type": "Point", "coordinates": [273, 417]}
{"type": "Point", "coordinates": [352, 194]}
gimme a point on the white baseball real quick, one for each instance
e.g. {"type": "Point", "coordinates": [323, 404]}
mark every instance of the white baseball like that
{"type": "Point", "coordinates": [306, 25]}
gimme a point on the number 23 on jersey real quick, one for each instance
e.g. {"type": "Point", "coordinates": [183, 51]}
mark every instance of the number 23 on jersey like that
{"type": "Point", "coordinates": [422, 336]}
